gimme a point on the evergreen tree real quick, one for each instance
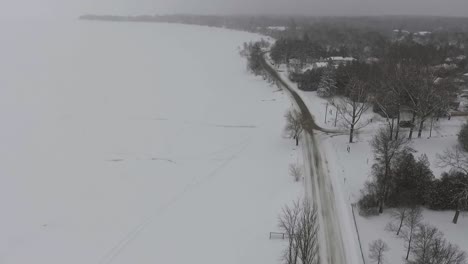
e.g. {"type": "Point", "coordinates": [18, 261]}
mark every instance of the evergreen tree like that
{"type": "Point", "coordinates": [412, 181]}
{"type": "Point", "coordinates": [327, 85]}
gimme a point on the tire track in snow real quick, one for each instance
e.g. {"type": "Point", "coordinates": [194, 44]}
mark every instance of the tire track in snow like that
{"type": "Point", "coordinates": [118, 248]}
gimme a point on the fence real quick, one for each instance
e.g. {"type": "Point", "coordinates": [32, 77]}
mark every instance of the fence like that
{"type": "Point", "coordinates": [276, 235]}
{"type": "Point", "coordinates": [357, 231]}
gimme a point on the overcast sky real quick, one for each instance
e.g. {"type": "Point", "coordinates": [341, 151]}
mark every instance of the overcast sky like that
{"type": "Point", "coordinates": [72, 8]}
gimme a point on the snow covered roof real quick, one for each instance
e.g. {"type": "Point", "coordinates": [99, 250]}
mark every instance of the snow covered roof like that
{"type": "Point", "coordinates": [402, 31]}
{"type": "Point", "coordinates": [321, 64]}
{"type": "Point", "coordinates": [423, 33]}
{"type": "Point", "coordinates": [446, 66]}
{"type": "Point", "coordinates": [339, 58]}
{"type": "Point", "coordinates": [372, 60]}
{"type": "Point", "coordinates": [277, 28]}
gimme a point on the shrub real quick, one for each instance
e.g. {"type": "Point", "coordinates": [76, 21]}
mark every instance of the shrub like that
{"type": "Point", "coordinates": [369, 202]}
{"type": "Point", "coordinates": [368, 205]}
{"type": "Point", "coordinates": [406, 124]}
{"type": "Point", "coordinates": [295, 171]}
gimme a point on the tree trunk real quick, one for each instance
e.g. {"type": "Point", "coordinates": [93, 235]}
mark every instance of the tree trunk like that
{"type": "Point", "coordinates": [391, 126]}
{"type": "Point", "coordinates": [455, 218]}
{"type": "Point", "coordinates": [297, 141]}
{"type": "Point", "coordinates": [384, 193]}
{"type": "Point", "coordinates": [421, 125]}
{"type": "Point", "coordinates": [398, 125]}
{"type": "Point", "coordinates": [409, 246]}
{"type": "Point", "coordinates": [399, 228]}
{"type": "Point", "coordinates": [336, 116]}
{"type": "Point", "coordinates": [432, 124]}
{"type": "Point", "coordinates": [412, 126]}
{"type": "Point", "coordinates": [351, 130]}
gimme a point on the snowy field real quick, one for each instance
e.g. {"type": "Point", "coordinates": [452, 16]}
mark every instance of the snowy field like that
{"type": "Point", "coordinates": [352, 170]}
{"type": "Point", "coordinates": [138, 143]}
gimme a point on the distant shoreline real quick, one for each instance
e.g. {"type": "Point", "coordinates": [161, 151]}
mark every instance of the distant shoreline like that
{"type": "Point", "coordinates": [262, 23]}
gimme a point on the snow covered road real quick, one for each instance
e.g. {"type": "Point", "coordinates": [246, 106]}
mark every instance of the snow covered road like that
{"type": "Point", "coordinates": [320, 189]}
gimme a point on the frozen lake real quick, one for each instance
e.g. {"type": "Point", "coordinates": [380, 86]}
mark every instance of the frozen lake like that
{"type": "Point", "coordinates": [137, 143]}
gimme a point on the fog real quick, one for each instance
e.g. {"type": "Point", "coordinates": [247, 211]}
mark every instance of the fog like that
{"type": "Point", "coordinates": [67, 8]}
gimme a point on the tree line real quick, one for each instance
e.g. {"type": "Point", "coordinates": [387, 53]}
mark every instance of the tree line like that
{"type": "Point", "coordinates": [401, 180]}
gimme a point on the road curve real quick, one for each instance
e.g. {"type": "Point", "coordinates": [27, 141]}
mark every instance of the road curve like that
{"type": "Point", "coordinates": [319, 187]}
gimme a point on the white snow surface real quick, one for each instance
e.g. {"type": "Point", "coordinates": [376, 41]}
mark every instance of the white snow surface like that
{"type": "Point", "coordinates": [278, 28]}
{"type": "Point", "coordinates": [138, 143]}
{"type": "Point", "coordinates": [340, 58]}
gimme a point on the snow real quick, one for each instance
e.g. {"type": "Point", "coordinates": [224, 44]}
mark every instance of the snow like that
{"type": "Point", "coordinates": [354, 169]}
{"type": "Point", "coordinates": [315, 65]}
{"type": "Point", "coordinates": [278, 28]}
{"type": "Point", "coordinates": [402, 31]}
{"type": "Point", "coordinates": [423, 33]}
{"type": "Point", "coordinates": [339, 58]}
{"type": "Point", "coordinates": [138, 143]}
{"type": "Point", "coordinates": [349, 172]}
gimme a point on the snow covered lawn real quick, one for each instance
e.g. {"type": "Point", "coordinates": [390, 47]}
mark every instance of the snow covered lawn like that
{"type": "Point", "coordinates": [352, 170]}
{"type": "Point", "coordinates": [138, 143]}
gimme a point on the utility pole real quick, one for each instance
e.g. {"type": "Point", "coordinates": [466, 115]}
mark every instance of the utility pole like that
{"type": "Point", "coordinates": [326, 112]}
{"type": "Point", "coordinates": [432, 122]}
{"type": "Point", "coordinates": [336, 115]}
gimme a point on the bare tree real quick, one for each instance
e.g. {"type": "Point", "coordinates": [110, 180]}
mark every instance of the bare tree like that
{"type": "Point", "coordinates": [396, 79]}
{"type": "Point", "coordinates": [457, 160]}
{"type": "Point", "coordinates": [295, 171]}
{"type": "Point", "coordinates": [300, 224]}
{"type": "Point", "coordinates": [385, 150]}
{"type": "Point", "coordinates": [289, 223]}
{"type": "Point", "coordinates": [376, 251]}
{"type": "Point", "coordinates": [388, 98]}
{"type": "Point", "coordinates": [428, 94]}
{"type": "Point", "coordinates": [452, 255]}
{"type": "Point", "coordinates": [431, 248]}
{"type": "Point", "coordinates": [295, 122]}
{"type": "Point", "coordinates": [399, 216]}
{"type": "Point", "coordinates": [388, 106]}
{"type": "Point", "coordinates": [424, 240]}
{"type": "Point", "coordinates": [410, 225]}
{"type": "Point", "coordinates": [352, 108]}
{"type": "Point", "coordinates": [307, 238]}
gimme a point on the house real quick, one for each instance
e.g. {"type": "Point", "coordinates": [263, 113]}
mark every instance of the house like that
{"type": "Point", "coordinates": [336, 61]}
{"type": "Point", "coordinates": [400, 35]}
{"type": "Point", "coordinates": [372, 60]}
